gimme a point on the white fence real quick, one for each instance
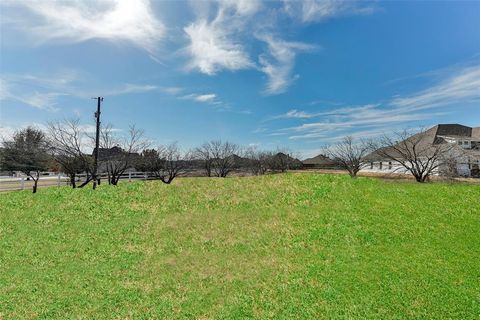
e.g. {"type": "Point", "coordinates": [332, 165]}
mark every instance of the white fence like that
{"type": "Point", "coordinates": [21, 183]}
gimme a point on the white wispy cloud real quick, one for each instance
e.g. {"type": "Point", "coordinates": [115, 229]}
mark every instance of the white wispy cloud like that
{"type": "Point", "coordinates": [461, 86]}
{"type": "Point", "coordinates": [77, 21]}
{"type": "Point", "coordinates": [309, 11]}
{"type": "Point", "coordinates": [340, 127]}
{"type": "Point", "coordinates": [260, 130]}
{"type": "Point", "coordinates": [214, 45]}
{"type": "Point", "coordinates": [171, 90]}
{"type": "Point", "coordinates": [219, 43]}
{"type": "Point", "coordinates": [44, 101]}
{"type": "Point", "coordinates": [206, 98]}
{"type": "Point", "coordinates": [56, 81]}
{"type": "Point", "coordinates": [295, 114]}
{"type": "Point", "coordinates": [39, 100]}
{"type": "Point", "coordinates": [42, 91]}
{"type": "Point", "coordinates": [4, 90]}
{"type": "Point", "coordinates": [275, 134]}
{"type": "Point", "coordinates": [212, 50]}
{"type": "Point", "coordinates": [132, 88]}
{"type": "Point", "coordinates": [279, 62]}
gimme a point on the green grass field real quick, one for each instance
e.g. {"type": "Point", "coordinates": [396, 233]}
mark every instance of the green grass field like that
{"type": "Point", "coordinates": [292, 246]}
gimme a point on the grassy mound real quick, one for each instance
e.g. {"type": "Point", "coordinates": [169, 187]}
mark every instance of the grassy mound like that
{"type": "Point", "coordinates": [293, 246]}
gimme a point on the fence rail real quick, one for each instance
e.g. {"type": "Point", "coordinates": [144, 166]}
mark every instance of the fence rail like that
{"type": "Point", "coordinates": [21, 183]}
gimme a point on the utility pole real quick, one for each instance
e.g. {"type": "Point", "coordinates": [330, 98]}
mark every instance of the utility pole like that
{"type": "Point", "coordinates": [97, 144]}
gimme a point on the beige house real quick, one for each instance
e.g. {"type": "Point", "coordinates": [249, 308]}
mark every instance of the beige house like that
{"type": "Point", "coordinates": [463, 158]}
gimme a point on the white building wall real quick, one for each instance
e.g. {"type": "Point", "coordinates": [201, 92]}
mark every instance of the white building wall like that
{"type": "Point", "coordinates": [463, 167]}
{"type": "Point", "coordinates": [385, 167]}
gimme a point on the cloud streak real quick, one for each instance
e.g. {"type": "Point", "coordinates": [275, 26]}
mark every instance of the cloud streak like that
{"type": "Point", "coordinates": [310, 11]}
{"type": "Point", "coordinates": [296, 114]}
{"type": "Point", "coordinates": [39, 100]}
{"type": "Point", "coordinates": [42, 92]}
{"type": "Point", "coordinates": [205, 98]}
{"type": "Point", "coordinates": [461, 86]}
{"type": "Point", "coordinates": [279, 62]}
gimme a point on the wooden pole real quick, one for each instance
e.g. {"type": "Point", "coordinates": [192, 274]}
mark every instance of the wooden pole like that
{"type": "Point", "coordinates": [97, 143]}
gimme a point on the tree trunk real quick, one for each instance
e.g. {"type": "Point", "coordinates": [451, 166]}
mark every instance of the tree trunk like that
{"type": "Point", "coordinates": [88, 179]}
{"type": "Point", "coordinates": [166, 181]}
{"type": "Point", "coordinates": [72, 181]}
{"type": "Point", "coordinates": [35, 182]}
{"type": "Point", "coordinates": [420, 179]}
{"type": "Point", "coordinates": [352, 173]}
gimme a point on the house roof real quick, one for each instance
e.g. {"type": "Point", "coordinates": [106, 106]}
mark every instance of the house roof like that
{"type": "Point", "coordinates": [319, 160]}
{"type": "Point", "coordinates": [457, 130]}
{"type": "Point", "coordinates": [432, 136]}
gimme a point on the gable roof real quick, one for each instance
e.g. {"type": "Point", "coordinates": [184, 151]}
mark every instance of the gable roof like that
{"type": "Point", "coordinates": [319, 160]}
{"type": "Point", "coordinates": [457, 130]}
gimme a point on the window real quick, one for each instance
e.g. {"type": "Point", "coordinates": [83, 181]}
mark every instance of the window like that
{"type": "Point", "coordinates": [380, 165]}
{"type": "Point", "coordinates": [390, 165]}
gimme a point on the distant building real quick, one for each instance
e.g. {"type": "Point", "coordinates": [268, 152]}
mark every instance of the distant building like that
{"type": "Point", "coordinates": [319, 162]}
{"type": "Point", "coordinates": [115, 154]}
{"type": "Point", "coordinates": [465, 151]}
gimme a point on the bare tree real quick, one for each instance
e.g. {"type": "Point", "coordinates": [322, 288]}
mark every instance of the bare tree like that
{"type": "Point", "coordinates": [27, 153]}
{"type": "Point", "coordinates": [66, 140]}
{"type": "Point", "coordinates": [172, 163]}
{"type": "Point", "coordinates": [224, 157]}
{"type": "Point", "coordinates": [117, 154]}
{"type": "Point", "coordinates": [419, 154]}
{"type": "Point", "coordinates": [165, 163]}
{"type": "Point", "coordinates": [204, 154]}
{"type": "Point", "coordinates": [282, 160]}
{"type": "Point", "coordinates": [349, 154]}
{"type": "Point", "coordinates": [218, 158]}
{"type": "Point", "coordinates": [257, 161]}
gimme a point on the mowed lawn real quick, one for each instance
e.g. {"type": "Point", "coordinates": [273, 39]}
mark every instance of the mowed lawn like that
{"type": "Point", "coordinates": [289, 246]}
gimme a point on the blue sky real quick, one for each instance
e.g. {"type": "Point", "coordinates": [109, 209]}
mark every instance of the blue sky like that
{"type": "Point", "coordinates": [272, 74]}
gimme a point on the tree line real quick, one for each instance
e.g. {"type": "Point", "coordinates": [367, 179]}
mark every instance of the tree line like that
{"type": "Point", "coordinates": [65, 146]}
{"type": "Point", "coordinates": [61, 147]}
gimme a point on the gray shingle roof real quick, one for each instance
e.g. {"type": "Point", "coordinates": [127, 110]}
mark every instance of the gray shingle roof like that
{"type": "Point", "coordinates": [434, 136]}
{"type": "Point", "coordinates": [457, 130]}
